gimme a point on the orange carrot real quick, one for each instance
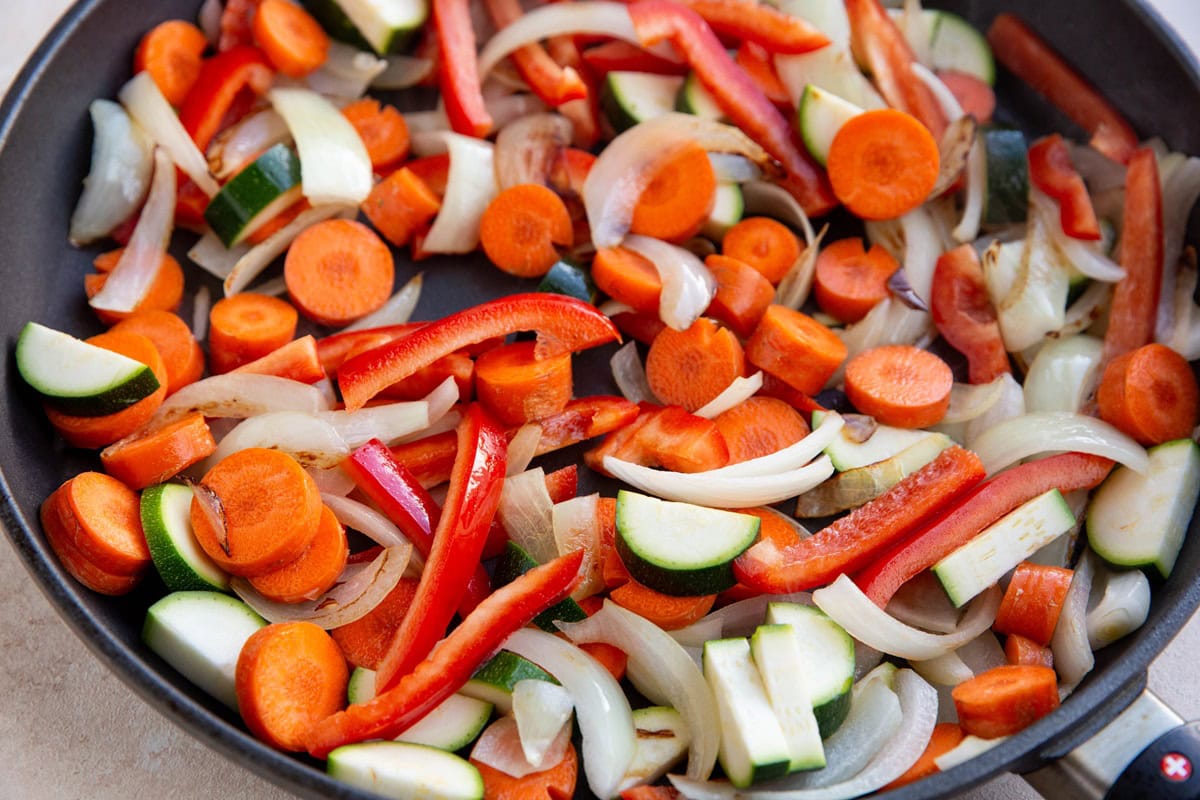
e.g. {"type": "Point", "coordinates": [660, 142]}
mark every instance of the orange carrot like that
{"type": "Point", "coordinates": [165, 292]}
{"type": "Point", "coordinates": [946, 736]}
{"type": "Point", "coordinates": [277, 222]}
{"type": "Point", "coordinates": [555, 783]}
{"type": "Point", "coordinates": [337, 271]}
{"type": "Point", "coordinates": [651, 792]}
{"type": "Point", "coordinates": [102, 518]}
{"type": "Point", "coordinates": [849, 280]}
{"type": "Point", "coordinates": [456, 365]}
{"type": "Point", "coordinates": [1132, 313]}
{"type": "Point", "coordinates": [245, 327]}
{"type": "Point", "coordinates": [517, 387]}
{"type": "Point", "coordinates": [667, 437]}
{"type": "Point", "coordinates": [400, 205]}
{"type": "Point", "coordinates": [433, 172]}
{"type": "Point", "coordinates": [315, 571]}
{"type": "Point", "coordinates": [689, 368]}
{"type": "Point", "coordinates": [297, 360]}
{"type": "Point", "coordinates": [1026, 652]}
{"type": "Point", "coordinates": [1033, 601]}
{"type": "Point", "coordinates": [679, 197]}
{"type": "Point", "coordinates": [628, 277]}
{"type": "Point", "coordinates": [795, 348]}
{"type": "Point", "coordinates": [643, 328]}
{"type": "Point", "coordinates": [613, 659]}
{"type": "Point", "coordinates": [1005, 700]}
{"type": "Point", "coordinates": [775, 387]}
{"type": "Point", "coordinates": [181, 353]}
{"type": "Point", "coordinates": [289, 676]}
{"type": "Point", "coordinates": [766, 245]}
{"type": "Point", "coordinates": [666, 611]}
{"type": "Point", "coordinates": [900, 385]}
{"type": "Point", "coordinates": [147, 457]}
{"type": "Point", "coordinates": [292, 40]}
{"type": "Point", "coordinates": [74, 562]}
{"type": "Point", "coordinates": [759, 426]}
{"type": "Point", "coordinates": [171, 53]}
{"type": "Point", "coordinates": [382, 129]}
{"type": "Point", "coordinates": [1151, 394]}
{"type": "Point", "coordinates": [973, 94]}
{"type": "Point", "coordinates": [365, 640]}
{"type": "Point", "coordinates": [772, 527]}
{"type": "Point", "coordinates": [102, 431]}
{"type": "Point", "coordinates": [520, 228]}
{"type": "Point", "coordinates": [743, 294]}
{"type": "Point", "coordinates": [882, 164]}
{"type": "Point", "coordinates": [268, 511]}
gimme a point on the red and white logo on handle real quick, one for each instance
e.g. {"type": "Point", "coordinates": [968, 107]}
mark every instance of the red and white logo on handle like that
{"type": "Point", "coordinates": [1175, 767]}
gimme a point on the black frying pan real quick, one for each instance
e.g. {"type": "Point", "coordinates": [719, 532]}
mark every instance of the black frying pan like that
{"type": "Point", "coordinates": [44, 150]}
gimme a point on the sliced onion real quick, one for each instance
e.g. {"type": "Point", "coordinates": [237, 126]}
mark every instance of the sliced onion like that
{"type": "Point", "coordinates": [523, 447]}
{"type": "Point", "coordinates": [146, 104]}
{"type": "Point", "coordinates": [947, 670]}
{"type": "Point", "coordinates": [138, 266]}
{"type": "Point", "coordinates": [527, 149]}
{"type": "Point", "coordinates": [970, 400]}
{"type": "Point", "coordinates": [1087, 257]}
{"type": "Point", "coordinates": [258, 258]}
{"type": "Point", "coordinates": [1122, 608]}
{"type": "Point", "coordinates": [275, 287]}
{"type": "Point", "coordinates": [1087, 309]}
{"type": "Point", "coordinates": [983, 653]}
{"type": "Point", "coordinates": [447, 422]}
{"type": "Point", "coordinates": [797, 283]}
{"type": "Point", "coordinates": [976, 187]}
{"type": "Point", "coordinates": [201, 305]}
{"type": "Point", "coordinates": [791, 457]}
{"type": "Point", "coordinates": [119, 175]}
{"type": "Point", "coordinates": [542, 711]}
{"type": "Point", "coordinates": [630, 376]}
{"type": "Point", "coordinates": [954, 153]}
{"type": "Point", "coordinates": [739, 390]}
{"type": "Point", "coordinates": [732, 168]}
{"type": "Point", "coordinates": [611, 308]}
{"type": "Point", "coordinates": [388, 423]}
{"type": "Point", "coordinates": [470, 186]}
{"type": "Point", "coordinates": [501, 746]}
{"type": "Point", "coordinates": [1099, 171]}
{"type": "Point", "coordinates": [922, 247]}
{"type": "Point", "coordinates": [601, 708]}
{"type": "Point", "coordinates": [526, 511]}
{"type": "Point", "coordinates": [403, 72]}
{"type": "Point", "coordinates": [210, 254]}
{"type": "Point", "coordinates": [1073, 657]}
{"type": "Point", "coordinates": [1010, 441]}
{"type": "Point", "coordinates": [334, 165]}
{"type": "Point", "coordinates": [922, 603]}
{"type": "Point", "coordinates": [311, 441]}
{"type": "Point", "coordinates": [209, 20]}
{"type": "Point", "coordinates": [502, 109]}
{"type": "Point", "coordinates": [1180, 179]}
{"type": "Point", "coordinates": [964, 751]}
{"type": "Point", "coordinates": [370, 523]}
{"type": "Point", "coordinates": [703, 489]}
{"type": "Point", "coordinates": [360, 589]}
{"type": "Point", "coordinates": [576, 524]}
{"type": "Point", "coordinates": [771, 199]}
{"type": "Point", "coordinates": [241, 143]}
{"type": "Point", "coordinates": [329, 398]}
{"type": "Point", "coordinates": [687, 285]}
{"type": "Point", "coordinates": [846, 605]}
{"type": "Point", "coordinates": [1009, 405]}
{"type": "Point", "coordinates": [332, 481]}
{"type": "Point", "coordinates": [889, 322]}
{"type": "Point", "coordinates": [214, 512]}
{"type": "Point", "coordinates": [347, 72]}
{"type": "Point", "coordinates": [544, 22]}
{"type": "Point", "coordinates": [662, 671]}
{"type": "Point", "coordinates": [1063, 374]}
{"type": "Point", "coordinates": [735, 619]}
{"type": "Point", "coordinates": [239, 395]}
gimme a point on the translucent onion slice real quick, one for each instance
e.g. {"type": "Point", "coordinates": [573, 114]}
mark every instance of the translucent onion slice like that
{"type": "Point", "coordinates": [771, 199]}
{"type": "Point", "coordinates": [370, 523]}
{"type": "Point", "coordinates": [630, 376]}
{"type": "Point", "coordinates": [526, 511]}
{"type": "Point", "coordinates": [889, 322]}
{"type": "Point", "coordinates": [1063, 374]}
{"type": "Point", "coordinates": [332, 481]}
{"type": "Point", "coordinates": [601, 708]}
{"type": "Point", "coordinates": [470, 186]}
{"type": "Point", "coordinates": [687, 285]}
{"type": "Point", "coordinates": [544, 22]}
{"type": "Point", "coordinates": [576, 524]}
{"type": "Point", "coordinates": [735, 619]}
{"type": "Point", "coordinates": [334, 165]}
{"type": "Point", "coordinates": [146, 104]}
{"type": "Point", "coordinates": [1073, 657]}
{"type": "Point", "coordinates": [922, 247]}
{"type": "Point", "coordinates": [970, 400]}
{"type": "Point", "coordinates": [1013, 439]}
{"type": "Point", "coordinates": [922, 603]}
{"type": "Point", "coordinates": [119, 175]}
{"type": "Point", "coordinates": [1087, 257]}
{"type": "Point", "coordinates": [210, 254]}
{"type": "Point", "coordinates": [523, 447]}
{"type": "Point", "coordinates": [705, 489]}
{"type": "Point", "coordinates": [201, 305]}
{"type": "Point", "coordinates": [796, 285]}
{"type": "Point", "coordinates": [964, 751]}
{"type": "Point", "coordinates": [209, 20]}
{"type": "Point", "coordinates": [258, 258]}
{"type": "Point", "coordinates": [527, 149]}
{"type": "Point", "coordinates": [500, 747]}
{"type": "Point", "coordinates": [403, 72]}
{"type": "Point", "coordinates": [238, 145]}
{"type": "Point", "coordinates": [662, 671]}
{"type": "Point", "coordinates": [347, 72]}
{"type": "Point", "coordinates": [947, 670]}
{"type": "Point", "coordinates": [542, 711]}
{"type": "Point", "coordinates": [732, 168]}
{"type": "Point", "coordinates": [1009, 405]}
{"type": "Point", "coordinates": [791, 457]}
{"type": "Point", "coordinates": [739, 390]}
{"type": "Point", "coordinates": [503, 110]}
{"type": "Point", "coordinates": [239, 395]}
{"type": "Point", "coordinates": [1122, 608]}
{"type": "Point", "coordinates": [311, 441]}
{"type": "Point", "coordinates": [388, 423]}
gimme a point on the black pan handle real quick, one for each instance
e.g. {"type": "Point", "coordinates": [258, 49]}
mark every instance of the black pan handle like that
{"type": "Point", "coordinates": [1145, 753]}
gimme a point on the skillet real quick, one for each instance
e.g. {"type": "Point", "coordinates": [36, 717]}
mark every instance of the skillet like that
{"type": "Point", "coordinates": [44, 151]}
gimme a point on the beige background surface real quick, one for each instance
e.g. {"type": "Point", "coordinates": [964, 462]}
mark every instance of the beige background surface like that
{"type": "Point", "coordinates": [69, 729]}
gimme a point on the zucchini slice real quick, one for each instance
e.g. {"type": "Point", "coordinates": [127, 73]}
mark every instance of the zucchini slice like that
{"type": "Point", "coordinates": [827, 653]}
{"type": "Point", "coordinates": [1006, 200]}
{"type": "Point", "coordinates": [515, 562]}
{"type": "Point", "coordinates": [884, 442]}
{"type": "Point", "coordinates": [694, 99]}
{"type": "Point", "coordinates": [567, 277]}
{"type": "Point", "coordinates": [957, 45]}
{"type": "Point", "coordinates": [728, 208]}
{"type": "Point", "coordinates": [821, 115]}
{"type": "Point", "coordinates": [167, 522]}
{"type": "Point", "coordinates": [401, 769]}
{"type": "Point", "coordinates": [494, 681]}
{"type": "Point", "coordinates": [782, 668]}
{"type": "Point", "coordinates": [267, 186]}
{"type": "Point", "coordinates": [451, 725]}
{"type": "Point", "coordinates": [385, 26]}
{"type": "Point", "coordinates": [628, 98]}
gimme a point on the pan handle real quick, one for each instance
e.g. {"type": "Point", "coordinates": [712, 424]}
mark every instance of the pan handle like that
{"type": "Point", "coordinates": [1145, 752]}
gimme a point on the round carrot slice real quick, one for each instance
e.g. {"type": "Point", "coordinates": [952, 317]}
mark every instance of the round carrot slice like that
{"type": "Point", "coordinates": [337, 271]}
{"type": "Point", "coordinates": [103, 518]}
{"type": "Point", "coordinates": [293, 41]}
{"type": "Point", "coordinates": [796, 348]}
{"type": "Point", "coordinates": [145, 458]}
{"type": "Point", "coordinates": [520, 228]}
{"type": "Point", "coordinates": [900, 385]}
{"type": "Point", "coordinates": [519, 388]}
{"type": "Point", "coordinates": [758, 427]}
{"type": "Point", "coordinates": [882, 164]}
{"type": "Point", "coordinates": [74, 562]}
{"type": "Point", "coordinates": [165, 292]}
{"type": "Point", "coordinates": [315, 571]}
{"type": "Point", "coordinates": [1151, 394]}
{"type": "Point", "coordinates": [174, 341]}
{"type": "Point", "coordinates": [679, 197]}
{"type": "Point", "coordinates": [366, 640]}
{"type": "Point", "coordinates": [765, 244]}
{"type": "Point", "coordinates": [246, 327]}
{"type": "Point", "coordinates": [849, 280]}
{"type": "Point", "coordinates": [171, 52]}
{"type": "Point", "coordinates": [689, 368]}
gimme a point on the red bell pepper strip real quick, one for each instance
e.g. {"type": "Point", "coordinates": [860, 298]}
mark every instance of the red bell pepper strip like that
{"type": "Point", "coordinates": [760, 66]}
{"type": "Point", "coordinates": [563, 325]}
{"type": "Point", "coordinates": [619, 56]}
{"type": "Point", "coordinates": [458, 69]}
{"type": "Point", "coordinates": [854, 540]}
{"type": "Point", "coordinates": [553, 84]}
{"type": "Point", "coordinates": [750, 21]}
{"type": "Point", "coordinates": [473, 642]}
{"type": "Point", "coordinates": [406, 502]}
{"type": "Point", "coordinates": [881, 45]}
{"type": "Point", "coordinates": [737, 95]}
{"type": "Point", "coordinates": [1050, 170]}
{"type": "Point", "coordinates": [429, 460]}
{"type": "Point", "coordinates": [964, 315]}
{"type": "Point", "coordinates": [782, 390]}
{"type": "Point", "coordinates": [458, 542]}
{"type": "Point", "coordinates": [1065, 472]}
{"type": "Point", "coordinates": [1034, 61]}
{"type": "Point", "coordinates": [222, 79]}
{"type": "Point", "coordinates": [237, 24]}
{"type": "Point", "coordinates": [1134, 309]}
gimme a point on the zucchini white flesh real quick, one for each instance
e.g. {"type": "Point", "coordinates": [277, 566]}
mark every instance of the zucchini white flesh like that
{"type": "Point", "coordinates": [827, 16]}
{"type": "Point", "coordinates": [821, 115]}
{"type": "Point", "coordinates": [494, 681]}
{"type": "Point", "coordinates": [831, 69]}
{"type": "Point", "coordinates": [1003, 545]}
{"type": "Point", "coordinates": [884, 443]}
{"type": "Point", "coordinates": [167, 522]}
{"type": "Point", "coordinates": [781, 666]}
{"type": "Point", "coordinates": [694, 99]}
{"type": "Point", "coordinates": [80, 378]}
{"type": "Point", "coordinates": [255, 195]}
{"type": "Point", "coordinates": [1140, 520]}
{"type": "Point", "coordinates": [957, 45]}
{"type": "Point", "coordinates": [729, 206]}
{"type": "Point", "coordinates": [827, 653]}
{"type": "Point", "coordinates": [679, 548]}
{"type": "Point", "coordinates": [662, 742]}
{"type": "Point", "coordinates": [451, 725]}
{"type": "Point", "coordinates": [386, 26]}
{"type": "Point", "coordinates": [361, 686]}
{"type": "Point", "coordinates": [406, 771]}
{"type": "Point", "coordinates": [628, 98]}
{"type": "Point", "coordinates": [201, 635]}
{"type": "Point", "coordinates": [753, 747]}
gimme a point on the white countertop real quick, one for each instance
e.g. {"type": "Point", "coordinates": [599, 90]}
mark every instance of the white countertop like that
{"type": "Point", "coordinates": [70, 729]}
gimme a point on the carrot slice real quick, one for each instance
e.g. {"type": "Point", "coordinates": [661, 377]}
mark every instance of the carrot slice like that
{"type": "Point", "coordinates": [850, 280]}
{"type": "Point", "coordinates": [1151, 394]}
{"type": "Point", "coordinates": [643, 328]}
{"type": "Point", "coordinates": [667, 437]}
{"type": "Point", "coordinates": [102, 518]}
{"type": "Point", "coordinates": [289, 676]}
{"type": "Point", "coordinates": [613, 659]}
{"type": "Point", "coordinates": [171, 52]}
{"type": "Point", "coordinates": [181, 353]}
{"type": "Point", "coordinates": [517, 387]}
{"type": "Point", "coordinates": [1033, 601]}
{"type": "Point", "coordinates": [946, 736]}
{"type": "Point", "coordinates": [297, 360]}
{"type": "Point", "coordinates": [74, 562]}
{"type": "Point", "coordinates": [165, 292]}
{"type": "Point", "coordinates": [679, 197]}
{"type": "Point", "coordinates": [433, 171]}
{"type": "Point", "coordinates": [758, 427]}
{"type": "Point", "coordinates": [1026, 652]}
{"type": "Point", "coordinates": [315, 571]}
{"type": "Point", "coordinates": [366, 640]}
{"type": "Point", "coordinates": [664, 610]}
{"type": "Point", "coordinates": [269, 507]}
{"type": "Point", "coordinates": [628, 277]}
{"type": "Point", "coordinates": [292, 40]}
{"type": "Point", "coordinates": [337, 271]}
{"type": "Point", "coordinates": [772, 527]}
{"type": "Point", "coordinates": [382, 129]}
{"type": "Point", "coordinates": [795, 348]}
{"type": "Point", "coordinates": [555, 783]}
{"type": "Point", "coordinates": [900, 385]}
{"type": "Point", "coordinates": [247, 326]}
{"type": "Point", "coordinates": [1005, 700]}
{"type": "Point", "coordinates": [742, 297]}
{"type": "Point", "coordinates": [765, 244]}
{"type": "Point", "coordinates": [400, 205]}
{"type": "Point", "coordinates": [689, 368]}
{"type": "Point", "coordinates": [520, 228]}
{"type": "Point", "coordinates": [147, 457]}
{"type": "Point", "coordinates": [882, 164]}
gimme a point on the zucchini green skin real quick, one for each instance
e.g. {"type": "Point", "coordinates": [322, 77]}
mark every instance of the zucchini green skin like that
{"type": "Point", "coordinates": [234, 211]}
{"type": "Point", "coordinates": [391, 38]}
{"type": "Point", "coordinates": [627, 98]}
{"type": "Point", "coordinates": [494, 681]}
{"type": "Point", "coordinates": [515, 562]}
{"type": "Point", "coordinates": [180, 562]}
{"type": "Point", "coordinates": [567, 277]}
{"type": "Point", "coordinates": [335, 22]}
{"type": "Point", "coordinates": [402, 769]}
{"type": "Point", "coordinates": [694, 99]}
{"type": "Point", "coordinates": [1007, 197]}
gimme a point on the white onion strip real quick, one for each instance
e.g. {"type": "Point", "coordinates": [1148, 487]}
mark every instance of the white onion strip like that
{"type": "Point", "coordinates": [705, 489]}
{"type": "Point", "coordinates": [523, 447]}
{"type": "Point", "coordinates": [687, 285]}
{"type": "Point", "coordinates": [790, 457]}
{"type": "Point", "coordinates": [239, 395]}
{"type": "Point", "coordinates": [370, 523]}
{"type": "Point", "coordinates": [258, 258]}
{"type": "Point", "coordinates": [1011, 440]}
{"type": "Point", "coordinates": [201, 305]}
{"type": "Point", "coordinates": [630, 376]}
{"type": "Point", "coordinates": [403, 72]}
{"type": "Point", "coordinates": [347, 72]}
{"type": "Point", "coordinates": [797, 284]}
{"type": "Point", "coordinates": [146, 104]}
{"type": "Point", "coordinates": [237, 146]}
{"type": "Point", "coordinates": [210, 254]}
{"type": "Point", "coordinates": [1073, 657]}
{"type": "Point", "coordinates": [311, 441]}
{"type": "Point", "coordinates": [971, 400]}
{"type": "Point", "coordinates": [388, 423]}
{"type": "Point", "coordinates": [544, 22]}
{"type": "Point", "coordinates": [470, 186]}
{"type": "Point", "coordinates": [334, 165]}
{"type": "Point", "coordinates": [542, 711]}
{"type": "Point", "coordinates": [1084, 256]}
{"type": "Point", "coordinates": [119, 175]}
{"type": "Point", "coordinates": [739, 390]}
{"type": "Point", "coordinates": [526, 512]}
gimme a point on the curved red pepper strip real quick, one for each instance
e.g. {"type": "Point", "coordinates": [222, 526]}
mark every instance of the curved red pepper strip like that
{"type": "Point", "coordinates": [1066, 472]}
{"type": "Point", "coordinates": [964, 315]}
{"type": "Point", "coordinates": [563, 325]}
{"type": "Point", "coordinates": [1134, 310]}
{"type": "Point", "coordinates": [458, 69]}
{"type": "Point", "coordinates": [462, 530]}
{"type": "Point", "coordinates": [854, 540]}
{"type": "Point", "coordinates": [620, 56]}
{"type": "Point", "coordinates": [750, 21]}
{"type": "Point", "coordinates": [553, 84]}
{"type": "Point", "coordinates": [737, 95]}
{"type": "Point", "coordinates": [1050, 170]}
{"type": "Point", "coordinates": [222, 78]}
{"type": "Point", "coordinates": [481, 634]}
